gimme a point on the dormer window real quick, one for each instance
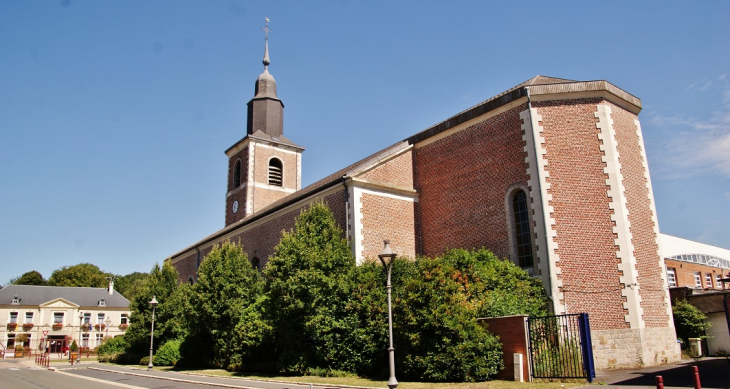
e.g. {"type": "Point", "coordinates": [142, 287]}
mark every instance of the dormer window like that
{"type": "Point", "coordinates": [102, 303]}
{"type": "Point", "coordinates": [275, 172]}
{"type": "Point", "coordinates": [16, 300]}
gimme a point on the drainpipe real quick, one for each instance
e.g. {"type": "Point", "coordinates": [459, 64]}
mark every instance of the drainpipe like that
{"type": "Point", "coordinates": [539, 188]}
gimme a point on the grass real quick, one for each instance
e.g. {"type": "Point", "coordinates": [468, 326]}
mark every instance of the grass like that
{"type": "Point", "coordinates": [366, 382]}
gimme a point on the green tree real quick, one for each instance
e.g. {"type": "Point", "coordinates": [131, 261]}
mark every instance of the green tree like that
{"type": "Point", "coordinates": [225, 322]}
{"type": "Point", "coordinates": [689, 322]}
{"type": "Point", "coordinates": [131, 284]}
{"type": "Point", "coordinates": [32, 277]}
{"type": "Point", "coordinates": [169, 313]}
{"type": "Point", "coordinates": [83, 275]}
{"type": "Point", "coordinates": [308, 289]}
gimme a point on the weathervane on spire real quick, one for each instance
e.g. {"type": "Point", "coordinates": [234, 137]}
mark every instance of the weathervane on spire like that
{"type": "Point", "coordinates": [266, 51]}
{"type": "Point", "coordinates": [266, 27]}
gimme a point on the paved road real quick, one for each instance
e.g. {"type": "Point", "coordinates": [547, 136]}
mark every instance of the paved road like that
{"type": "Point", "coordinates": [166, 379]}
{"type": "Point", "coordinates": [20, 376]}
{"type": "Point", "coordinates": [714, 374]}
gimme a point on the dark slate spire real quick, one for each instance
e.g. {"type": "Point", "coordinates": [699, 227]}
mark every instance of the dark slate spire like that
{"type": "Point", "coordinates": [265, 110]}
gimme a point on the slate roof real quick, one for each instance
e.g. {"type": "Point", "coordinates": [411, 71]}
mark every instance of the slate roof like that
{"type": "Point", "coordinates": [85, 297]}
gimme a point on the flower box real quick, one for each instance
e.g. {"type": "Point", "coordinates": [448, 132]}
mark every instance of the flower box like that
{"type": "Point", "coordinates": [86, 326]}
{"type": "Point", "coordinates": [27, 326]}
{"type": "Point", "coordinates": [99, 327]}
{"type": "Point", "coordinates": [12, 326]}
{"type": "Point", "coordinates": [57, 326]}
{"type": "Point", "coordinates": [123, 326]}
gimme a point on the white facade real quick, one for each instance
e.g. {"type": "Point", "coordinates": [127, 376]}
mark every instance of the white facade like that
{"type": "Point", "coordinates": [56, 323]}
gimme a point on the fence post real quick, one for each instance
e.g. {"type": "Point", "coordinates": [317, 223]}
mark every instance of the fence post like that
{"type": "Point", "coordinates": [587, 345]}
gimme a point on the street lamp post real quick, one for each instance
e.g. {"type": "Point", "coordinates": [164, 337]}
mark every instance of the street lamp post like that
{"type": "Point", "coordinates": [386, 257]}
{"type": "Point", "coordinates": [153, 303]}
{"type": "Point", "coordinates": [108, 322]}
{"type": "Point", "coordinates": [78, 346]}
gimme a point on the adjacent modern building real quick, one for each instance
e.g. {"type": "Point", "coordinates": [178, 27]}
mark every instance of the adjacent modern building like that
{"type": "Point", "coordinates": [53, 316]}
{"type": "Point", "coordinates": [695, 265]}
{"type": "Point", "coordinates": [551, 174]}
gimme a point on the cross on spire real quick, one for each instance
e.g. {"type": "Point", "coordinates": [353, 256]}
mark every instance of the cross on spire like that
{"type": "Point", "coordinates": [266, 50]}
{"type": "Point", "coordinates": [266, 27]}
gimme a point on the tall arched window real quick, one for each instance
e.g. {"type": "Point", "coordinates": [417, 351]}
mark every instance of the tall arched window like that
{"type": "Point", "coordinates": [237, 174]}
{"type": "Point", "coordinates": [276, 172]}
{"type": "Point", "coordinates": [256, 263]}
{"type": "Point", "coordinates": [522, 236]}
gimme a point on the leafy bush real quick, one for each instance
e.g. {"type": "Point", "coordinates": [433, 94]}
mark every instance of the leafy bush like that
{"type": "Point", "coordinates": [112, 349]}
{"type": "Point", "coordinates": [168, 354]}
{"type": "Point", "coordinates": [689, 322]}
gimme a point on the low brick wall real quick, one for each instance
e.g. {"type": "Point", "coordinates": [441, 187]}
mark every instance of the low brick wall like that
{"type": "Point", "coordinates": [512, 332]}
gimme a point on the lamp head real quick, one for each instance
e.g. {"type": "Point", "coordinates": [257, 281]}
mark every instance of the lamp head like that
{"type": "Point", "coordinates": [387, 255]}
{"type": "Point", "coordinates": [153, 302]}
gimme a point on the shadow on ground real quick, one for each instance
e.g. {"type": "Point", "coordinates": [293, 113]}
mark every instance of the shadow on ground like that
{"type": "Point", "coordinates": [714, 373]}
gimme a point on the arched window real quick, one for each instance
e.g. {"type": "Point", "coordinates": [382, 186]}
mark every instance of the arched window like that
{"type": "Point", "coordinates": [191, 279]}
{"type": "Point", "coordinates": [276, 171]}
{"type": "Point", "coordinates": [256, 263]}
{"type": "Point", "coordinates": [237, 174]}
{"type": "Point", "coordinates": [522, 235]}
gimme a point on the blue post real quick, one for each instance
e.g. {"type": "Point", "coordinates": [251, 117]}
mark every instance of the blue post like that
{"type": "Point", "coordinates": [587, 346]}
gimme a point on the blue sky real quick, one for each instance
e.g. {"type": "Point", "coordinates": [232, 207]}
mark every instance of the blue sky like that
{"type": "Point", "coordinates": [114, 116]}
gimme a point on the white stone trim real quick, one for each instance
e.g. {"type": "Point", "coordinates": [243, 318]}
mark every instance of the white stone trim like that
{"type": "Point", "coordinates": [546, 252]}
{"type": "Point", "coordinates": [385, 189]}
{"type": "Point", "coordinates": [357, 224]}
{"type": "Point", "coordinates": [277, 148]}
{"type": "Point", "coordinates": [248, 208]}
{"type": "Point", "coordinates": [652, 204]}
{"type": "Point", "coordinates": [620, 217]}
{"type": "Point", "coordinates": [299, 171]}
{"type": "Point", "coordinates": [273, 187]}
{"type": "Point", "coordinates": [385, 159]}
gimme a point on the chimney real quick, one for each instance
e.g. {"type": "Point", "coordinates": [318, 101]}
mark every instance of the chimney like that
{"type": "Point", "coordinates": [111, 285]}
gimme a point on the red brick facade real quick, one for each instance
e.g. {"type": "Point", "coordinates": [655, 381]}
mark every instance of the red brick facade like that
{"type": "Point", "coordinates": [462, 181]}
{"type": "Point", "coordinates": [585, 238]}
{"type": "Point", "coordinates": [591, 211]}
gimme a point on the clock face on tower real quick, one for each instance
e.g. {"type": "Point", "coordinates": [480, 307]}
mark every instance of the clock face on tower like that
{"type": "Point", "coordinates": [234, 208]}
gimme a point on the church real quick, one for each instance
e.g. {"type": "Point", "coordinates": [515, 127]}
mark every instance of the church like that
{"type": "Point", "coordinates": [551, 174]}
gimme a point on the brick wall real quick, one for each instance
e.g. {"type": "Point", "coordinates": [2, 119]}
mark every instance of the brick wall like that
{"type": "Point", "coordinates": [388, 218]}
{"type": "Point", "coordinates": [260, 238]}
{"type": "Point", "coordinates": [641, 216]}
{"type": "Point", "coordinates": [513, 334]}
{"type": "Point", "coordinates": [584, 229]}
{"type": "Point", "coordinates": [685, 273]}
{"type": "Point", "coordinates": [462, 182]}
{"type": "Point", "coordinates": [397, 171]}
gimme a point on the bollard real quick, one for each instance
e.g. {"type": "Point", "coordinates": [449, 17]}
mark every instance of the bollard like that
{"type": "Point", "coordinates": [659, 382]}
{"type": "Point", "coordinates": [72, 361]}
{"type": "Point", "coordinates": [696, 373]}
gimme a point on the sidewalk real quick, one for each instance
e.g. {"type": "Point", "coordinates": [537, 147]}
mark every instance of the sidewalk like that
{"type": "Point", "coordinates": [714, 374]}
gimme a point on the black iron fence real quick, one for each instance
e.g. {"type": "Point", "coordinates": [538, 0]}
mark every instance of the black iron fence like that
{"type": "Point", "coordinates": [560, 347]}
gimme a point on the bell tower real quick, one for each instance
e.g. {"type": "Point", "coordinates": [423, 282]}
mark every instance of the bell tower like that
{"type": "Point", "coordinates": [264, 166]}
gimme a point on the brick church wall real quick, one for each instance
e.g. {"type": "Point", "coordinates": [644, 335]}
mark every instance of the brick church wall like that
{"type": "Point", "coordinates": [260, 239]}
{"type": "Point", "coordinates": [238, 193]}
{"type": "Point", "coordinates": [462, 180]}
{"type": "Point", "coordinates": [582, 216]}
{"type": "Point", "coordinates": [397, 171]}
{"type": "Point", "coordinates": [646, 249]}
{"type": "Point", "coordinates": [388, 218]}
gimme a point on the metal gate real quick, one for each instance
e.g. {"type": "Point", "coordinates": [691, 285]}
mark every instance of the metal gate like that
{"type": "Point", "coordinates": [560, 347]}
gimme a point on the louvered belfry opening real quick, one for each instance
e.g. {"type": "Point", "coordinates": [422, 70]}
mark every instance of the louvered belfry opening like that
{"type": "Point", "coordinates": [275, 172]}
